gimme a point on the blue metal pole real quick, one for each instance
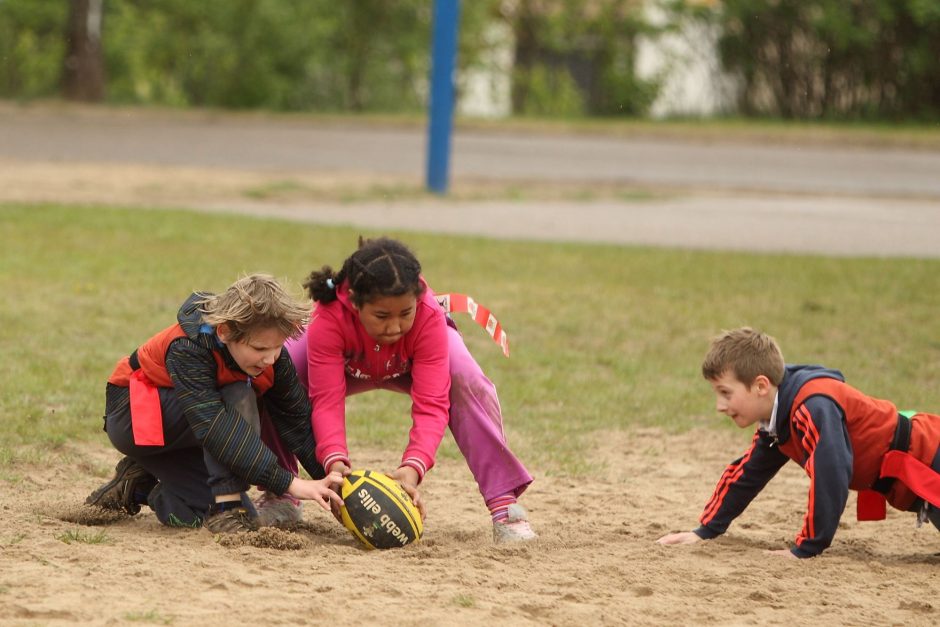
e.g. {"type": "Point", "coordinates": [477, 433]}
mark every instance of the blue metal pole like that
{"type": "Point", "coordinates": [441, 106]}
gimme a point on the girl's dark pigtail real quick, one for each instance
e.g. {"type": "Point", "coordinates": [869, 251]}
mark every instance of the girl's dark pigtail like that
{"type": "Point", "coordinates": [321, 285]}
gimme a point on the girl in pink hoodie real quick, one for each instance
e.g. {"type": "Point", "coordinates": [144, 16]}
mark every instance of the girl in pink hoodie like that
{"type": "Point", "coordinates": [376, 325]}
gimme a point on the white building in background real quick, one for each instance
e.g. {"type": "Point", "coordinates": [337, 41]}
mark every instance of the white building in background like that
{"type": "Point", "coordinates": [486, 92]}
{"type": "Point", "coordinates": [693, 83]}
{"type": "Point", "coordinates": [687, 63]}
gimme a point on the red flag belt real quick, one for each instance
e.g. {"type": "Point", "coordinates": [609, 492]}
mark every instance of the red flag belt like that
{"type": "Point", "coordinates": [915, 474]}
{"type": "Point", "coordinates": [461, 303]}
{"type": "Point", "coordinates": [146, 413]}
{"type": "Point", "coordinates": [922, 480]}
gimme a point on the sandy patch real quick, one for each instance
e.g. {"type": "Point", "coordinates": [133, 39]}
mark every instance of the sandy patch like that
{"type": "Point", "coordinates": [150, 185]}
{"type": "Point", "coordinates": [596, 561]}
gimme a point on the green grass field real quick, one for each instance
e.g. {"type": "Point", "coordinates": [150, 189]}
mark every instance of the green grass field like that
{"type": "Point", "coordinates": [603, 337]}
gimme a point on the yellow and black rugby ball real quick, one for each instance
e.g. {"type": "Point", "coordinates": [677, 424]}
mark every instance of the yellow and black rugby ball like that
{"type": "Point", "coordinates": [378, 511]}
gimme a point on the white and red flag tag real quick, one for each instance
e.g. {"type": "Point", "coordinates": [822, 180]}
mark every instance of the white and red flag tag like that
{"type": "Point", "coordinates": [461, 303]}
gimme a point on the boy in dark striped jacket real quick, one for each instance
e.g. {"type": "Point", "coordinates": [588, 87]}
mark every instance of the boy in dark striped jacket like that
{"type": "Point", "coordinates": [843, 439]}
{"type": "Point", "coordinates": [186, 409]}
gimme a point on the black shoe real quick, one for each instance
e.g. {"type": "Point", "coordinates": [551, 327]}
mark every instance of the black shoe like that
{"type": "Point", "coordinates": [237, 519]}
{"type": "Point", "coordinates": [118, 493]}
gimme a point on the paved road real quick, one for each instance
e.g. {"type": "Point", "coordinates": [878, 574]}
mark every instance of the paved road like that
{"type": "Point", "coordinates": [832, 200]}
{"type": "Point", "coordinates": [272, 144]}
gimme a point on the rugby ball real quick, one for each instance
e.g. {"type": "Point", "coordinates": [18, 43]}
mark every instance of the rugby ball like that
{"type": "Point", "coordinates": [378, 511]}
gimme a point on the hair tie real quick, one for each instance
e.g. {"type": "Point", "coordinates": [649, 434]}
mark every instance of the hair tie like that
{"type": "Point", "coordinates": [330, 284]}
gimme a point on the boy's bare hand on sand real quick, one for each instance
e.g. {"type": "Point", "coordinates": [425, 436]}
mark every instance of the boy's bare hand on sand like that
{"type": "Point", "coordinates": [683, 537]}
{"type": "Point", "coordinates": [783, 553]}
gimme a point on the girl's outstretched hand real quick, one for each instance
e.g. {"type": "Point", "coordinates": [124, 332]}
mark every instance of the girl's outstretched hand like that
{"type": "Point", "coordinates": [318, 490]}
{"type": "Point", "coordinates": [683, 537]}
{"type": "Point", "coordinates": [408, 478]}
{"type": "Point", "coordinates": [340, 470]}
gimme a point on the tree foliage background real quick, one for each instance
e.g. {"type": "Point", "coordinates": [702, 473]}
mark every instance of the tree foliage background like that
{"type": "Point", "coordinates": [275, 54]}
{"type": "Point", "coordinates": [366, 55]}
{"type": "Point", "coordinates": [833, 59]}
{"type": "Point", "coordinates": [806, 59]}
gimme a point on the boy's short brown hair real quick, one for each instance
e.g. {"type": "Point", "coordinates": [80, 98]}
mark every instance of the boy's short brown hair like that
{"type": "Point", "coordinates": [253, 303]}
{"type": "Point", "coordinates": [747, 353]}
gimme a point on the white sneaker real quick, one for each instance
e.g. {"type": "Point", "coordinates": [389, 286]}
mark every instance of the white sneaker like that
{"type": "Point", "coordinates": [278, 511]}
{"type": "Point", "coordinates": [515, 528]}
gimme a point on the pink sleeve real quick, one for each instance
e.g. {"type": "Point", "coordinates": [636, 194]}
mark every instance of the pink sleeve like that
{"type": "Point", "coordinates": [326, 378]}
{"type": "Point", "coordinates": [430, 392]}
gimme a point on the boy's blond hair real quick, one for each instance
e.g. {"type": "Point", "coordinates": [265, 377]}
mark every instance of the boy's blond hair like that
{"type": "Point", "coordinates": [746, 353]}
{"type": "Point", "coordinates": [252, 303]}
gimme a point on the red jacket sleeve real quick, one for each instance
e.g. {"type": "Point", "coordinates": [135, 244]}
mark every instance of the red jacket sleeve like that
{"type": "Point", "coordinates": [326, 385]}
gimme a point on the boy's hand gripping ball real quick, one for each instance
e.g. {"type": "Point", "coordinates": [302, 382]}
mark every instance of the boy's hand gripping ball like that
{"type": "Point", "coordinates": [378, 512]}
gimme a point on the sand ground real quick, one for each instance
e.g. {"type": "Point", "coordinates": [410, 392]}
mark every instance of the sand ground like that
{"type": "Point", "coordinates": [595, 563]}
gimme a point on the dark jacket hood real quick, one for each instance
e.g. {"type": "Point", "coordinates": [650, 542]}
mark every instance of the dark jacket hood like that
{"type": "Point", "coordinates": [794, 378]}
{"type": "Point", "coordinates": [190, 317]}
{"type": "Point", "coordinates": [191, 321]}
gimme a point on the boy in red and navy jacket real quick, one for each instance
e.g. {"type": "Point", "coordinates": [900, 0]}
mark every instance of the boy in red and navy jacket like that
{"type": "Point", "coordinates": [843, 439]}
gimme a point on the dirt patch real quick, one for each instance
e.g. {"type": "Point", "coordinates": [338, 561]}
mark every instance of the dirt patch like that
{"type": "Point", "coordinates": [83, 514]}
{"type": "Point", "coordinates": [147, 185]}
{"type": "Point", "coordinates": [265, 538]}
{"type": "Point", "coordinates": [150, 185]}
{"type": "Point", "coordinates": [595, 562]}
